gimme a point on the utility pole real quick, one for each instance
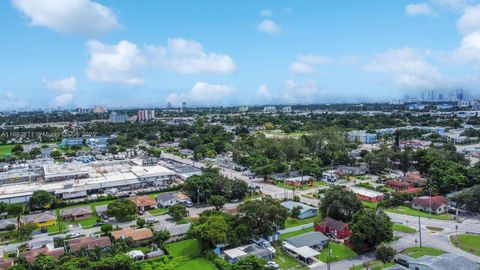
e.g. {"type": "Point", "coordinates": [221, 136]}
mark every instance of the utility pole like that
{"type": "Point", "coordinates": [419, 231]}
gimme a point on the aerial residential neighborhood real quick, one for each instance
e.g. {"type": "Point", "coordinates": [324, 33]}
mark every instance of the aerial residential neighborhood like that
{"type": "Point", "coordinates": [240, 135]}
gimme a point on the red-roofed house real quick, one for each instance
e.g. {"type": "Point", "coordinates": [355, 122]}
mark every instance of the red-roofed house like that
{"type": "Point", "coordinates": [435, 204]}
{"type": "Point", "coordinates": [399, 185]}
{"type": "Point", "coordinates": [32, 254]}
{"type": "Point", "coordinates": [88, 242]}
{"type": "Point", "coordinates": [335, 228]}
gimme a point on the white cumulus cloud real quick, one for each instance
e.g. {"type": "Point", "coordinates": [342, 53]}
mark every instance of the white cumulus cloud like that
{"type": "Point", "coordinates": [408, 67]}
{"type": "Point", "coordinates": [469, 50]}
{"type": "Point", "coordinates": [269, 27]}
{"type": "Point", "coordinates": [67, 85]}
{"type": "Point", "coordinates": [204, 94]}
{"type": "Point", "coordinates": [120, 63]}
{"type": "Point", "coordinates": [419, 9]}
{"type": "Point", "coordinates": [189, 57]}
{"type": "Point", "coordinates": [302, 92]}
{"type": "Point", "coordinates": [9, 101]}
{"type": "Point", "coordinates": [69, 16]}
{"type": "Point", "coordinates": [62, 100]}
{"type": "Point", "coordinates": [305, 64]}
{"type": "Point", "coordinates": [264, 94]}
{"type": "Point", "coordinates": [470, 20]}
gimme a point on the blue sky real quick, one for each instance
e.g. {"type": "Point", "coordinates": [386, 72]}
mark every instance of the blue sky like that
{"type": "Point", "coordinates": [145, 53]}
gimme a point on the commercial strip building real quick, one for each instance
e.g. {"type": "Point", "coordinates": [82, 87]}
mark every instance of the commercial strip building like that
{"type": "Point", "coordinates": [367, 194]}
{"type": "Point", "coordinates": [77, 180]}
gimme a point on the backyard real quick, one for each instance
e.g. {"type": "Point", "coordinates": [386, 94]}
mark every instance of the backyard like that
{"type": "Point", "coordinates": [190, 251]}
{"type": "Point", "coordinates": [468, 242]}
{"type": "Point", "coordinates": [292, 223]}
{"type": "Point", "coordinates": [286, 262]}
{"type": "Point", "coordinates": [295, 233]}
{"type": "Point", "coordinates": [403, 210]}
{"type": "Point", "coordinates": [338, 252]}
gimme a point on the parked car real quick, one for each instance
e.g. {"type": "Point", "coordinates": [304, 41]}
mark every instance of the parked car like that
{"type": "Point", "coordinates": [188, 204]}
{"type": "Point", "coordinates": [272, 265]}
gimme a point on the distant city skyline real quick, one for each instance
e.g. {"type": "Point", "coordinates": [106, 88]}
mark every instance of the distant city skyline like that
{"type": "Point", "coordinates": [83, 53]}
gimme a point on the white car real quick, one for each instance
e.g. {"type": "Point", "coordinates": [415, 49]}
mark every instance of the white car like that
{"type": "Point", "coordinates": [272, 265]}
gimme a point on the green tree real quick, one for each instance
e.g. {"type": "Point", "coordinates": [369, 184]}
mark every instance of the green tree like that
{"type": "Point", "coordinates": [385, 253]}
{"type": "Point", "coordinates": [250, 263]}
{"type": "Point", "coordinates": [217, 201]}
{"type": "Point", "coordinates": [24, 231]}
{"type": "Point", "coordinates": [17, 149]}
{"type": "Point", "coordinates": [370, 228]}
{"type": "Point", "coordinates": [55, 154]}
{"type": "Point", "coordinates": [141, 222]}
{"type": "Point", "coordinates": [445, 176]}
{"type": "Point", "coordinates": [106, 228]}
{"type": "Point", "coordinates": [210, 230]}
{"type": "Point", "coordinates": [177, 212]}
{"type": "Point", "coordinates": [16, 210]}
{"type": "Point", "coordinates": [159, 237]}
{"type": "Point", "coordinates": [469, 199]}
{"type": "Point", "coordinates": [295, 212]}
{"type": "Point", "coordinates": [43, 200]}
{"type": "Point", "coordinates": [122, 210]}
{"type": "Point", "coordinates": [339, 204]}
{"type": "Point", "coordinates": [263, 217]}
{"type": "Point", "coordinates": [44, 262]}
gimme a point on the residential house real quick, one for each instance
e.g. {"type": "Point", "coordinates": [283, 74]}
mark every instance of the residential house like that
{"type": "Point", "coordinates": [445, 261]}
{"type": "Point", "coordinates": [235, 254]}
{"type": "Point", "coordinates": [413, 178]}
{"type": "Point", "coordinates": [43, 219]}
{"type": "Point", "coordinates": [335, 228]}
{"type": "Point", "coordinates": [31, 255]}
{"type": "Point", "coordinates": [367, 194]}
{"type": "Point", "coordinates": [76, 213]}
{"type": "Point", "coordinates": [138, 236]}
{"type": "Point", "coordinates": [88, 242]}
{"type": "Point", "coordinates": [4, 223]}
{"type": "Point", "coordinates": [144, 202]}
{"type": "Point", "coordinates": [305, 247]}
{"type": "Point", "coordinates": [306, 211]}
{"type": "Point", "coordinates": [172, 198]}
{"type": "Point", "coordinates": [300, 181]}
{"type": "Point", "coordinates": [5, 263]}
{"type": "Point", "coordinates": [348, 170]}
{"type": "Point", "coordinates": [399, 185]}
{"type": "Point", "coordinates": [435, 204]}
{"type": "Point", "coordinates": [177, 232]}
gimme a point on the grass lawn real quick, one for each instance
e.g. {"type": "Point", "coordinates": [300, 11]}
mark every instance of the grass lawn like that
{"type": "Point", "coordinates": [198, 263]}
{"type": "Point", "coordinates": [158, 211]}
{"type": "Point", "coordinates": [55, 228]}
{"type": "Point", "coordinates": [339, 252]}
{"type": "Point", "coordinates": [291, 234]}
{"type": "Point", "coordinates": [372, 205]}
{"type": "Point", "coordinates": [314, 184]}
{"type": "Point", "coordinates": [292, 223]}
{"type": "Point", "coordinates": [6, 150]}
{"type": "Point", "coordinates": [286, 262]}
{"type": "Point", "coordinates": [374, 265]}
{"type": "Point", "coordinates": [403, 228]}
{"type": "Point", "coordinates": [412, 212]}
{"type": "Point", "coordinates": [187, 248]}
{"type": "Point", "coordinates": [86, 223]}
{"type": "Point", "coordinates": [416, 252]}
{"type": "Point", "coordinates": [468, 242]}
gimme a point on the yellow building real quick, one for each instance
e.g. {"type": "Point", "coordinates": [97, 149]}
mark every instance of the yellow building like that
{"type": "Point", "coordinates": [43, 219]}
